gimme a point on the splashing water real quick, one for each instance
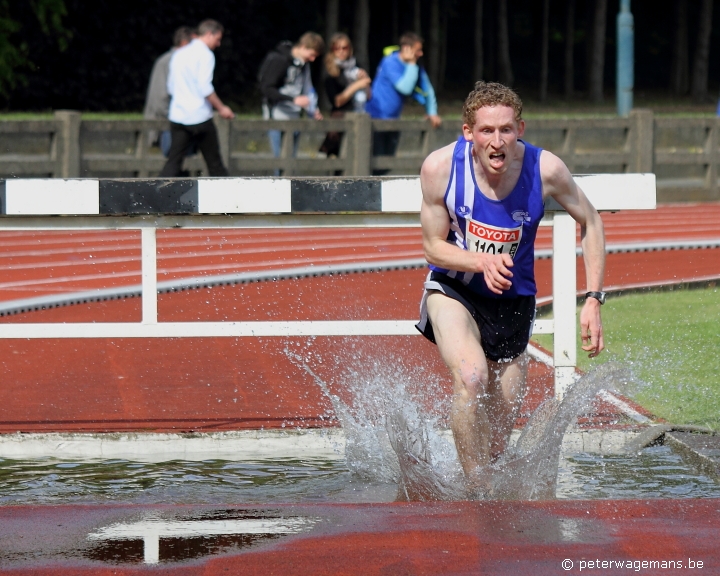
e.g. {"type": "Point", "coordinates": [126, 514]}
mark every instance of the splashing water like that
{"type": "Point", "coordinates": [392, 437]}
{"type": "Point", "coordinates": [528, 470]}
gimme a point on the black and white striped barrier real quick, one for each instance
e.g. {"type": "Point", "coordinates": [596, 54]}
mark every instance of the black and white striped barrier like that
{"type": "Point", "coordinates": [148, 204]}
{"type": "Point", "coordinates": [194, 196]}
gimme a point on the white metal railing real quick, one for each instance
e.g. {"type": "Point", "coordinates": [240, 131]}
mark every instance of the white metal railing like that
{"type": "Point", "coordinates": [607, 192]}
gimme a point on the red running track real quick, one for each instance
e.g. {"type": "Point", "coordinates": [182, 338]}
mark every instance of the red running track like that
{"type": "Point", "coordinates": [229, 383]}
{"type": "Point", "coordinates": [47, 263]}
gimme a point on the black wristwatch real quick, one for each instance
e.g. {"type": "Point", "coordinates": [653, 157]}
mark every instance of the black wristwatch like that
{"type": "Point", "coordinates": [599, 296]}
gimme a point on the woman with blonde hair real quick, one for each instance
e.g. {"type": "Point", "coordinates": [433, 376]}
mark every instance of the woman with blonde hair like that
{"type": "Point", "coordinates": [347, 86]}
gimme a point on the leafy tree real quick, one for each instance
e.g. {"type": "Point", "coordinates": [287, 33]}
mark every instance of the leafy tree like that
{"type": "Point", "coordinates": [14, 52]}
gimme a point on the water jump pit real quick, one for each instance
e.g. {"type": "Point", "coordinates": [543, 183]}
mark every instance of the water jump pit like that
{"type": "Point", "coordinates": [176, 500]}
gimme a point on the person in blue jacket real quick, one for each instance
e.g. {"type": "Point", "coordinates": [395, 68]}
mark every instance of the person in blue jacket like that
{"type": "Point", "coordinates": [398, 77]}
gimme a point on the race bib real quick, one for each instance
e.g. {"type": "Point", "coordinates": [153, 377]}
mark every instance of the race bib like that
{"type": "Point", "coordinates": [492, 239]}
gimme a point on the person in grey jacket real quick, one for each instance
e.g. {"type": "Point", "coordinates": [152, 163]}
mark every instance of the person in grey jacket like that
{"type": "Point", "coordinates": [286, 84]}
{"type": "Point", "coordinates": [157, 100]}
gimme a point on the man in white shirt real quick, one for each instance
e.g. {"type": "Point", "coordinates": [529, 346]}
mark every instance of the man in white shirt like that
{"type": "Point", "coordinates": [157, 101]}
{"type": "Point", "coordinates": [192, 101]}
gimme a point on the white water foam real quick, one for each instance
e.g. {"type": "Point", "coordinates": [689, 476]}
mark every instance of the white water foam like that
{"type": "Point", "coordinates": [395, 434]}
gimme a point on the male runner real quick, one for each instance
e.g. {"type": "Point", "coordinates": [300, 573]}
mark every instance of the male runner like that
{"type": "Point", "coordinates": [483, 198]}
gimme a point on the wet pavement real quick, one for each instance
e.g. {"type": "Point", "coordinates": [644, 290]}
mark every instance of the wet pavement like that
{"type": "Point", "coordinates": [415, 538]}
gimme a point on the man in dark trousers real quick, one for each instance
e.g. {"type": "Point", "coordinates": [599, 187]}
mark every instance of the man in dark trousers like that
{"type": "Point", "coordinates": [157, 101]}
{"type": "Point", "coordinates": [192, 101]}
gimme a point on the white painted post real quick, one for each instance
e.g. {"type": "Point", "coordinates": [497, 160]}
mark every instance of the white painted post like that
{"type": "Point", "coordinates": [151, 547]}
{"type": "Point", "coordinates": [149, 276]}
{"type": "Point", "coordinates": [564, 294]}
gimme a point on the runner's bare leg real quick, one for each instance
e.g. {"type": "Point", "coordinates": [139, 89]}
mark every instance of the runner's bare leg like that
{"type": "Point", "coordinates": [458, 340]}
{"type": "Point", "coordinates": [506, 390]}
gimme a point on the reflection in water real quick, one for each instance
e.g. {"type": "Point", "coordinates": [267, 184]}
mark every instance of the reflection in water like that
{"type": "Point", "coordinates": [154, 539]}
{"type": "Point", "coordinates": [173, 549]}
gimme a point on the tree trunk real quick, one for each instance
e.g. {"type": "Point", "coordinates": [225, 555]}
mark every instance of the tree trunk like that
{"type": "Point", "coordinates": [417, 18]}
{"type": "Point", "coordinates": [570, 49]}
{"type": "Point", "coordinates": [505, 71]}
{"type": "Point", "coordinates": [544, 51]}
{"type": "Point", "coordinates": [434, 43]}
{"type": "Point", "coordinates": [478, 71]}
{"type": "Point", "coordinates": [588, 45]}
{"type": "Point", "coordinates": [361, 31]}
{"type": "Point", "coordinates": [679, 83]}
{"type": "Point", "coordinates": [395, 21]}
{"type": "Point", "coordinates": [597, 64]}
{"type": "Point", "coordinates": [443, 51]}
{"type": "Point", "coordinates": [332, 18]}
{"type": "Point", "coordinates": [702, 53]}
{"type": "Point", "coordinates": [491, 58]}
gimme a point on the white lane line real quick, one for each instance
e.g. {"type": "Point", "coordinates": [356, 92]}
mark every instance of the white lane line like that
{"type": "Point", "coordinates": [624, 407]}
{"type": "Point", "coordinates": [164, 255]}
{"type": "Point", "coordinates": [359, 258]}
{"type": "Point", "coordinates": [606, 395]}
{"type": "Point", "coordinates": [537, 354]}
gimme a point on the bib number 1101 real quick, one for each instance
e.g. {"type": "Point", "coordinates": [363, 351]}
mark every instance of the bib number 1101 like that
{"type": "Point", "coordinates": [493, 239]}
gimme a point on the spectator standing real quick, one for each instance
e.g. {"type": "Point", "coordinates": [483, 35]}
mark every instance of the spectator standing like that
{"type": "Point", "coordinates": [347, 86]}
{"type": "Point", "coordinates": [286, 84]}
{"type": "Point", "coordinates": [157, 100]}
{"type": "Point", "coordinates": [192, 101]}
{"type": "Point", "coordinates": [400, 76]}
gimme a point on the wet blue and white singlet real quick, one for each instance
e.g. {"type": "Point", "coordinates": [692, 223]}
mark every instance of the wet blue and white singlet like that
{"type": "Point", "coordinates": [506, 226]}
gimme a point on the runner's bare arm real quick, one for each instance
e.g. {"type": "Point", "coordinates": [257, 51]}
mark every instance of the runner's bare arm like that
{"type": "Point", "coordinates": [559, 183]}
{"type": "Point", "coordinates": [434, 177]}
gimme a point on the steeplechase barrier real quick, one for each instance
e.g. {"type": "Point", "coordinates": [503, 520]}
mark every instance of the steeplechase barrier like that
{"type": "Point", "coordinates": [151, 204]}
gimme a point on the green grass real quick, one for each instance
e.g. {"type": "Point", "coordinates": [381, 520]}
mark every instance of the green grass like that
{"type": "Point", "coordinates": [26, 116]}
{"type": "Point", "coordinates": [670, 341]}
{"type": "Point", "coordinates": [85, 115]}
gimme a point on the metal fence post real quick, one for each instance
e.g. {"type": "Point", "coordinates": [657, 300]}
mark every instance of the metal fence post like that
{"type": "Point", "coordinates": [68, 143]}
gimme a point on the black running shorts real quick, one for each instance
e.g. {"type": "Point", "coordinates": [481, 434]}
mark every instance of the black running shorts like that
{"type": "Point", "coordinates": [505, 324]}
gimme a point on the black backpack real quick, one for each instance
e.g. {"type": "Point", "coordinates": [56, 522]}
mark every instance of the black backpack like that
{"type": "Point", "coordinates": [264, 65]}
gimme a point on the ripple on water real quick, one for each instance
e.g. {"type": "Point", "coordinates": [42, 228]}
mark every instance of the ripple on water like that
{"type": "Point", "coordinates": [656, 472]}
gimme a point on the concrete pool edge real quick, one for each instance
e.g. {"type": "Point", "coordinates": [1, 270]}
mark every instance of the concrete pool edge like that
{"type": "Point", "coordinates": [701, 450]}
{"type": "Point", "coordinates": [245, 445]}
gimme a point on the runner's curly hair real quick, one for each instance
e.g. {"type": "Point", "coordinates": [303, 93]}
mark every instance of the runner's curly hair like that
{"type": "Point", "coordinates": [490, 94]}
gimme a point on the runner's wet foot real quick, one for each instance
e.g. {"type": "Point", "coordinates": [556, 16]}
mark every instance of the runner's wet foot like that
{"type": "Point", "coordinates": [479, 484]}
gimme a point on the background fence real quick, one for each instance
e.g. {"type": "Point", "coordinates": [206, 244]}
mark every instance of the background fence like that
{"type": "Point", "coordinates": [683, 152]}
